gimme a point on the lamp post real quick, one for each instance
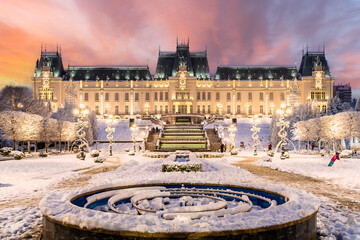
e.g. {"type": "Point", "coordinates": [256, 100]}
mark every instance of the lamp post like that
{"type": "Point", "coordinates": [134, 130]}
{"type": "Point", "coordinates": [110, 130]}
{"type": "Point", "coordinates": [146, 109]}
{"type": "Point", "coordinates": [219, 106]}
{"type": "Point", "coordinates": [81, 125]}
{"type": "Point", "coordinates": [255, 129]}
{"type": "Point", "coordinates": [232, 130]}
{"type": "Point", "coordinates": [283, 112]}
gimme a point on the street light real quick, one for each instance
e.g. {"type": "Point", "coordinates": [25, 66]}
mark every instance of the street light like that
{"type": "Point", "coordinates": [232, 130]}
{"type": "Point", "coordinates": [255, 129]}
{"type": "Point", "coordinates": [134, 130]}
{"type": "Point", "coordinates": [219, 106]}
{"type": "Point", "coordinates": [110, 130]}
{"type": "Point", "coordinates": [283, 112]}
{"type": "Point", "coordinates": [81, 125]}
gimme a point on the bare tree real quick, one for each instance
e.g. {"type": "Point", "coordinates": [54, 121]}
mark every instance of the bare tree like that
{"type": "Point", "coordinates": [17, 98]}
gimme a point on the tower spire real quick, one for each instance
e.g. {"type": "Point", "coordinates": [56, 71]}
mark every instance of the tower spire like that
{"type": "Point", "coordinates": [45, 47]}
{"type": "Point", "coordinates": [41, 46]}
{"type": "Point", "coordinates": [57, 47]}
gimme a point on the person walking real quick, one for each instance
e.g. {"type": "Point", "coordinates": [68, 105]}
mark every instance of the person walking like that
{"type": "Point", "coordinates": [334, 158]}
{"type": "Point", "coordinates": [270, 146]}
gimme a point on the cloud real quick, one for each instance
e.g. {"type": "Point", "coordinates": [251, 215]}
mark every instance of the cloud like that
{"type": "Point", "coordinates": [131, 31]}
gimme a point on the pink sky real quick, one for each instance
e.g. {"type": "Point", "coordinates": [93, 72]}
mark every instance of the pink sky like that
{"type": "Point", "coordinates": [130, 32]}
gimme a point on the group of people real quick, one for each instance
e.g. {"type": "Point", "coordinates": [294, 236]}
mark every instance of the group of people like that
{"type": "Point", "coordinates": [223, 147]}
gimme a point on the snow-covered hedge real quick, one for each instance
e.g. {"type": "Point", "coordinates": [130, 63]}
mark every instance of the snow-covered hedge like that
{"type": "Point", "coordinates": [156, 155]}
{"type": "Point", "coordinates": [18, 155]}
{"type": "Point", "coordinates": [210, 155]}
{"type": "Point", "coordinates": [5, 151]}
{"type": "Point", "coordinates": [43, 154]}
{"type": "Point", "coordinates": [196, 167]}
{"type": "Point", "coordinates": [94, 153]}
{"type": "Point", "coordinates": [346, 154]}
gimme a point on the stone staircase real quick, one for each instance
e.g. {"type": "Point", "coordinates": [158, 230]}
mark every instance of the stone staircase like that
{"type": "Point", "coordinates": [150, 144]}
{"type": "Point", "coordinates": [214, 140]}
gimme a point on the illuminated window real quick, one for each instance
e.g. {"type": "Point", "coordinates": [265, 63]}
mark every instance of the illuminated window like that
{"type": "Point", "coordinates": [261, 96]}
{"type": "Point", "coordinates": [238, 96]}
{"type": "Point", "coordinates": [217, 96]}
{"type": "Point", "coordinates": [198, 109]}
{"type": "Point", "coordinates": [228, 109]}
{"type": "Point", "coordinates": [155, 96]}
{"type": "Point", "coordinates": [96, 97]}
{"type": "Point", "coordinates": [198, 96]}
{"type": "Point", "coordinates": [126, 109]}
{"type": "Point", "coordinates": [282, 96]}
{"type": "Point", "coordinates": [161, 96]}
{"type": "Point", "coordinates": [203, 109]}
{"type": "Point", "coordinates": [137, 97]}
{"type": "Point", "coordinates": [126, 97]}
{"type": "Point", "coordinates": [249, 96]}
{"type": "Point", "coordinates": [116, 110]}
{"type": "Point", "coordinates": [86, 97]}
{"type": "Point", "coordinates": [261, 109]}
{"type": "Point", "coordinates": [166, 108]}
{"type": "Point", "coordinates": [209, 96]}
{"type": "Point", "coordinates": [271, 97]}
{"type": "Point", "coordinates": [209, 109]}
{"type": "Point", "coordinates": [147, 96]}
{"type": "Point", "coordinates": [166, 96]}
{"type": "Point", "coordinates": [204, 96]}
{"type": "Point", "coordinates": [117, 97]}
{"type": "Point", "coordinates": [228, 97]}
{"type": "Point", "coordinates": [106, 97]}
{"type": "Point", "coordinates": [238, 109]}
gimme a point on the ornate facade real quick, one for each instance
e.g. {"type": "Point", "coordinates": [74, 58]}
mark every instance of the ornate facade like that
{"type": "Point", "coordinates": [182, 83]}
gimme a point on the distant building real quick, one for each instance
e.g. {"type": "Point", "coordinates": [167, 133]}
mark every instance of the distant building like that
{"type": "Point", "coordinates": [343, 92]}
{"type": "Point", "coordinates": [182, 83]}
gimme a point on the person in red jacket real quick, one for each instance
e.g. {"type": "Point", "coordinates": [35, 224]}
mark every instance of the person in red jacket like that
{"type": "Point", "coordinates": [333, 159]}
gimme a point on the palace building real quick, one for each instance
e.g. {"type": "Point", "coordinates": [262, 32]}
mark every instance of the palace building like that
{"type": "Point", "coordinates": [182, 83]}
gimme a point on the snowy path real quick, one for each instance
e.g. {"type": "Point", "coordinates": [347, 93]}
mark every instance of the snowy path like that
{"type": "Point", "coordinates": [339, 205]}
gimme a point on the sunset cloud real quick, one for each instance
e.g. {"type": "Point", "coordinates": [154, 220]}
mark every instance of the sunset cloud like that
{"type": "Point", "coordinates": [130, 32]}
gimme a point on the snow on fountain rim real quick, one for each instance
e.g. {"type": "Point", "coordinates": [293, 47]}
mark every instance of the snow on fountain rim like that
{"type": "Point", "coordinates": [58, 208]}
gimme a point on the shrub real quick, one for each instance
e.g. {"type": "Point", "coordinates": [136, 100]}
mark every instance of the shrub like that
{"type": "Point", "coordinates": [346, 154]}
{"type": "Point", "coordinates": [270, 153]}
{"type": "Point", "coordinates": [234, 152]}
{"type": "Point", "coordinates": [127, 149]}
{"type": "Point", "coordinates": [18, 155]}
{"type": "Point", "coordinates": [54, 152]}
{"type": "Point", "coordinates": [94, 153]}
{"type": "Point", "coordinates": [81, 155]}
{"type": "Point", "coordinates": [99, 160]}
{"type": "Point", "coordinates": [5, 151]}
{"type": "Point", "coordinates": [43, 154]}
{"type": "Point", "coordinates": [132, 153]}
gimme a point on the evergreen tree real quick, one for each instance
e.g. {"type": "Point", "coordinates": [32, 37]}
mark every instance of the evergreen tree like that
{"type": "Point", "coordinates": [357, 105]}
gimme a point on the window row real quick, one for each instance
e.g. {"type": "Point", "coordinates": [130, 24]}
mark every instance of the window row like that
{"type": "Point", "coordinates": [161, 96]}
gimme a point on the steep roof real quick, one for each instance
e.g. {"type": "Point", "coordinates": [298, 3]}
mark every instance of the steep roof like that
{"type": "Point", "coordinates": [311, 59]}
{"type": "Point", "coordinates": [244, 72]}
{"type": "Point", "coordinates": [196, 62]}
{"type": "Point", "coordinates": [52, 59]}
{"type": "Point", "coordinates": [110, 72]}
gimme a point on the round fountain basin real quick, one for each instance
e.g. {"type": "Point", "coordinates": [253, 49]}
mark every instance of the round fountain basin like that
{"type": "Point", "coordinates": [178, 210]}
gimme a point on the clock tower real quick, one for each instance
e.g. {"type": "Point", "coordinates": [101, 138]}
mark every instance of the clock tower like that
{"type": "Point", "coordinates": [182, 74]}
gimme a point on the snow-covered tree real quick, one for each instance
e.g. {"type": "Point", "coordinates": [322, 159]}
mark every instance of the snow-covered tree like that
{"type": "Point", "coordinates": [329, 129]}
{"type": "Point", "coordinates": [69, 132]}
{"type": "Point", "coordinates": [274, 138]}
{"type": "Point", "coordinates": [314, 129]}
{"type": "Point", "coordinates": [302, 130]}
{"type": "Point", "coordinates": [17, 98]}
{"type": "Point", "coordinates": [9, 125]}
{"type": "Point", "coordinates": [357, 105]}
{"type": "Point", "coordinates": [29, 127]}
{"type": "Point", "coordinates": [348, 125]}
{"type": "Point", "coordinates": [48, 131]}
{"type": "Point", "coordinates": [92, 130]}
{"type": "Point", "coordinates": [334, 106]}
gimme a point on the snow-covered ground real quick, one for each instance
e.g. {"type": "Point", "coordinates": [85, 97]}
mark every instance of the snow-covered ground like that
{"type": "Point", "coordinates": [33, 177]}
{"type": "Point", "coordinates": [345, 173]}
